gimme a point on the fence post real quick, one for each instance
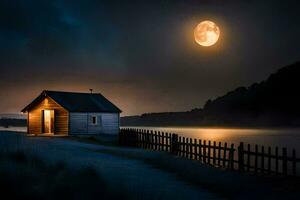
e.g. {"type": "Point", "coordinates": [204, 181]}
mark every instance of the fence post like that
{"type": "Point", "coordinates": [136, 138]}
{"type": "Point", "coordinates": [294, 163]}
{"type": "Point", "coordinates": [131, 138]}
{"type": "Point", "coordinates": [219, 153]}
{"type": "Point", "coordinates": [191, 148]}
{"type": "Point", "coordinates": [269, 160]}
{"type": "Point", "coordinates": [129, 142]}
{"type": "Point", "coordinates": [214, 153]}
{"type": "Point", "coordinates": [141, 138]}
{"type": "Point", "coordinates": [163, 140]}
{"type": "Point", "coordinates": [151, 140]}
{"type": "Point", "coordinates": [224, 154]}
{"type": "Point", "coordinates": [231, 157]}
{"type": "Point", "coordinates": [170, 141]}
{"type": "Point", "coordinates": [183, 147]}
{"type": "Point", "coordinates": [248, 157]}
{"type": "Point", "coordinates": [159, 141]}
{"type": "Point", "coordinates": [179, 146]}
{"type": "Point", "coordinates": [187, 148]}
{"type": "Point", "coordinates": [255, 159]}
{"type": "Point", "coordinates": [204, 151]}
{"type": "Point", "coordinates": [262, 163]}
{"type": "Point", "coordinates": [155, 136]}
{"type": "Point", "coordinates": [241, 156]}
{"type": "Point", "coordinates": [125, 137]}
{"type": "Point", "coordinates": [200, 151]}
{"type": "Point", "coordinates": [209, 151]}
{"type": "Point", "coordinates": [276, 161]}
{"type": "Point", "coordinates": [284, 161]}
{"type": "Point", "coordinates": [174, 144]}
{"type": "Point", "coordinates": [196, 149]}
{"type": "Point", "coordinates": [146, 139]}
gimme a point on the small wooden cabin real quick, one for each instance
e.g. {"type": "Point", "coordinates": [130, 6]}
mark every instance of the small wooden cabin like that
{"type": "Point", "coordinates": [69, 113]}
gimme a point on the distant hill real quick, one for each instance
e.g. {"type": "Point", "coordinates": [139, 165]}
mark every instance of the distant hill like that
{"type": "Point", "coordinates": [273, 102]}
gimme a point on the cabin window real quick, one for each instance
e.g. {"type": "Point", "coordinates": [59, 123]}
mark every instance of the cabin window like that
{"type": "Point", "coordinates": [94, 120]}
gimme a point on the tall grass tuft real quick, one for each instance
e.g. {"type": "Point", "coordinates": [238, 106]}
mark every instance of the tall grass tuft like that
{"type": "Point", "coordinates": [29, 177]}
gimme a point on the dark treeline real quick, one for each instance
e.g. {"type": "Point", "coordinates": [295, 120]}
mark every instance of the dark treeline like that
{"type": "Point", "coordinates": [7, 122]}
{"type": "Point", "coordinates": [273, 102]}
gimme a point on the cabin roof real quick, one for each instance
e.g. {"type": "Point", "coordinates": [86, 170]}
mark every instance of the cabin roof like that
{"type": "Point", "coordinates": [77, 102]}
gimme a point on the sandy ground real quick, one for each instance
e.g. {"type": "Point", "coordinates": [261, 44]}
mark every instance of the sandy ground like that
{"type": "Point", "coordinates": [140, 179]}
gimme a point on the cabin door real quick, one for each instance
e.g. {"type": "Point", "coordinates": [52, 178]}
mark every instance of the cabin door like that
{"type": "Point", "coordinates": [48, 121]}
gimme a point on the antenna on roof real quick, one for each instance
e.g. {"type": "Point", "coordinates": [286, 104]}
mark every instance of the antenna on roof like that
{"type": "Point", "coordinates": [91, 90]}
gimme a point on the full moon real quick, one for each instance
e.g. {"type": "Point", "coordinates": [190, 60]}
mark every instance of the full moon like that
{"type": "Point", "coordinates": [206, 33]}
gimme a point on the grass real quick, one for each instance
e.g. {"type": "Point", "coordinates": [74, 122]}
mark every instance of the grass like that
{"type": "Point", "coordinates": [29, 177]}
{"type": "Point", "coordinates": [106, 140]}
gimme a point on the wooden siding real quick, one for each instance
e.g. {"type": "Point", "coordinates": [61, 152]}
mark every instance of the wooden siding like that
{"type": "Point", "coordinates": [81, 123]}
{"type": "Point", "coordinates": [78, 123]}
{"type": "Point", "coordinates": [35, 117]}
{"type": "Point", "coordinates": [111, 123]}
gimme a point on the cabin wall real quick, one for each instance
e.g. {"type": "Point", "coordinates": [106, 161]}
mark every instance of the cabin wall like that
{"type": "Point", "coordinates": [107, 123]}
{"type": "Point", "coordinates": [35, 117]}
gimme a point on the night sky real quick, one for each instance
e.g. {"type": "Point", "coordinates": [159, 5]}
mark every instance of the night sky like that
{"type": "Point", "coordinates": [141, 54]}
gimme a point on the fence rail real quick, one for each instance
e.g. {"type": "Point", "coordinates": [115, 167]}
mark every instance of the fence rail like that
{"type": "Point", "coordinates": [243, 157]}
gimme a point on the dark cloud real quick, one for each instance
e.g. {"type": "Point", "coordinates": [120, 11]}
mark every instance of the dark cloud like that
{"type": "Point", "coordinates": [141, 52]}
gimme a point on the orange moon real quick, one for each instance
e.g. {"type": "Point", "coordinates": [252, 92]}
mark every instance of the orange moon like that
{"type": "Point", "coordinates": [206, 33]}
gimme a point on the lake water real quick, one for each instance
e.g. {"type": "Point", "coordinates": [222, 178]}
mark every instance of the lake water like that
{"type": "Point", "coordinates": [289, 138]}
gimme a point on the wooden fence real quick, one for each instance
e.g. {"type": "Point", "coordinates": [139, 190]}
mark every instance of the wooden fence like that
{"type": "Point", "coordinates": [243, 158]}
